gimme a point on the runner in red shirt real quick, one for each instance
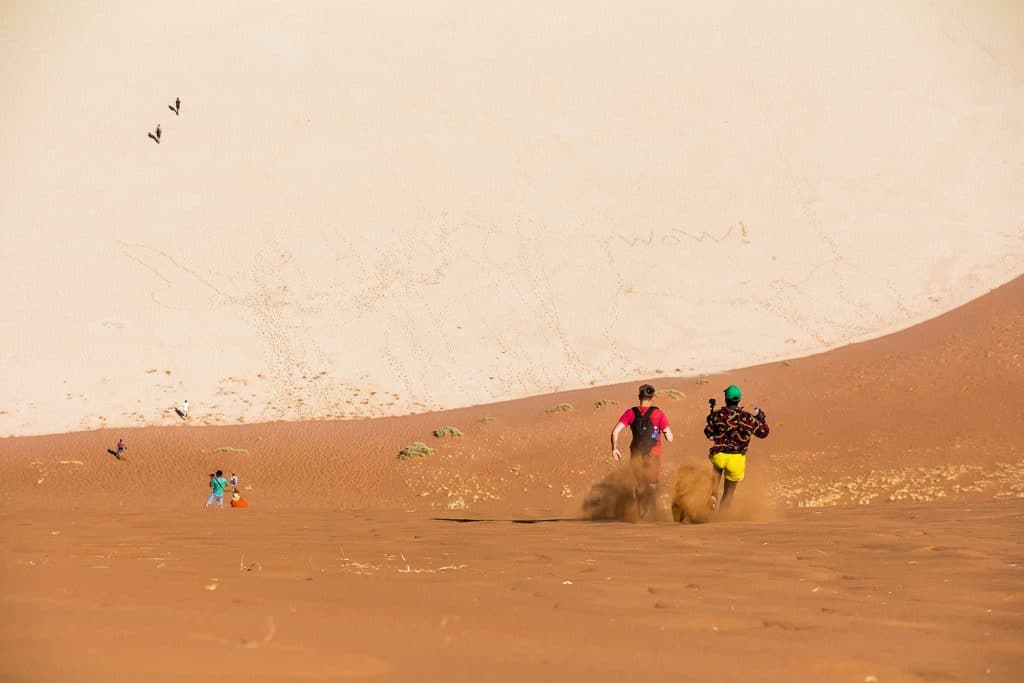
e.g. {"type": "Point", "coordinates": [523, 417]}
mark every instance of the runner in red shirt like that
{"type": "Point", "coordinates": [648, 423]}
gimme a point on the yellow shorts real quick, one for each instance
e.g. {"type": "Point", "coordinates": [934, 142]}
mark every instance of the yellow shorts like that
{"type": "Point", "coordinates": [734, 465]}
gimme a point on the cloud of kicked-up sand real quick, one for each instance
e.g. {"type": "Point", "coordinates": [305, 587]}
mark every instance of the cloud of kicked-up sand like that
{"type": "Point", "coordinates": [694, 485]}
{"type": "Point", "coordinates": [691, 494]}
{"type": "Point", "coordinates": [611, 498]}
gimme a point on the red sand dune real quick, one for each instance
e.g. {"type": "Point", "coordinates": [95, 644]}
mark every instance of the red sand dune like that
{"type": "Point", "coordinates": [944, 393]}
{"type": "Point", "coordinates": [342, 570]}
{"type": "Point", "coordinates": [371, 209]}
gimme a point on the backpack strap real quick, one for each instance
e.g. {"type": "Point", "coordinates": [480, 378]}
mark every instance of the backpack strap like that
{"type": "Point", "coordinates": [634, 425]}
{"type": "Point", "coordinates": [650, 411]}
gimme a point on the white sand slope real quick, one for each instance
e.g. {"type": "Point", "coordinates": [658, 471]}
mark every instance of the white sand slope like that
{"type": "Point", "coordinates": [368, 210]}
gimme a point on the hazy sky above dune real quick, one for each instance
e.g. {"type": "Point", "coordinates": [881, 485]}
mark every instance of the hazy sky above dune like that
{"type": "Point", "coordinates": [452, 203]}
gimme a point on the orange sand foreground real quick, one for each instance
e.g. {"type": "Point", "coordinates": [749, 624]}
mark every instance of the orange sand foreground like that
{"type": "Point", "coordinates": [363, 211]}
{"type": "Point", "coordinates": [876, 538]}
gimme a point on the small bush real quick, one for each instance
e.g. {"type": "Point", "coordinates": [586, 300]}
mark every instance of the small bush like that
{"type": "Point", "coordinates": [442, 432]}
{"type": "Point", "coordinates": [486, 418]}
{"type": "Point", "coordinates": [670, 394]}
{"type": "Point", "coordinates": [703, 380]}
{"type": "Point", "coordinates": [417, 449]}
{"type": "Point", "coordinates": [560, 408]}
{"type": "Point", "coordinates": [605, 402]}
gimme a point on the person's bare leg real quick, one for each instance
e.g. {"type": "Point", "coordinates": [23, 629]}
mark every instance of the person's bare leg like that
{"type": "Point", "coordinates": [648, 496]}
{"type": "Point", "coordinates": [730, 488]}
{"type": "Point", "coordinates": [644, 493]}
{"type": "Point", "coordinates": [715, 497]}
{"type": "Point", "coordinates": [652, 473]}
{"type": "Point", "coordinates": [639, 484]}
{"type": "Point", "coordinates": [645, 488]}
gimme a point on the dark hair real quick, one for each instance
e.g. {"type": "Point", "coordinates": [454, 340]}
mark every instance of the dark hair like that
{"type": "Point", "coordinates": [646, 392]}
{"type": "Point", "coordinates": [219, 473]}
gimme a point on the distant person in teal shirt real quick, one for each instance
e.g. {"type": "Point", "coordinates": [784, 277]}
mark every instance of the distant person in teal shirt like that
{"type": "Point", "coordinates": [217, 485]}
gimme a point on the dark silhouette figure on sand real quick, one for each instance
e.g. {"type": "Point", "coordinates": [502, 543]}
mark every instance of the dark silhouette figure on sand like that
{"type": "Point", "coordinates": [176, 107]}
{"type": "Point", "coordinates": [121, 448]}
{"type": "Point", "coordinates": [155, 138]}
{"type": "Point", "coordinates": [183, 410]}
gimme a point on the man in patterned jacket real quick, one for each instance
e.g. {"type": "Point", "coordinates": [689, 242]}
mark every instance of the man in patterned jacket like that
{"type": "Point", "coordinates": [731, 428]}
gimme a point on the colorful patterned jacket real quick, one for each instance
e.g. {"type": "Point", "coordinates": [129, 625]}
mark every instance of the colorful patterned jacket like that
{"type": "Point", "coordinates": [731, 429]}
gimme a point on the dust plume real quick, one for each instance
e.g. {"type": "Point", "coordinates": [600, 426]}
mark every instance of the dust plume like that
{"type": "Point", "coordinates": [752, 501]}
{"type": "Point", "coordinates": [691, 495]}
{"type": "Point", "coordinates": [611, 498]}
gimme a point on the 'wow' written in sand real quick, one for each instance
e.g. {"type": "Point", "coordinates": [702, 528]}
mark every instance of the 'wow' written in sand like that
{"type": "Point", "coordinates": [678, 236]}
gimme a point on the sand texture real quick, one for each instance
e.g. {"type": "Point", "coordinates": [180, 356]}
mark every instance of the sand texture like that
{"type": "Point", "coordinates": [458, 203]}
{"type": "Point", "coordinates": [408, 263]}
{"type": "Point", "coordinates": [877, 536]}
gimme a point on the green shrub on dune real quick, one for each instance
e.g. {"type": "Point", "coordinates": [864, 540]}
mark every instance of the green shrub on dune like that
{"type": "Point", "coordinates": [672, 394]}
{"type": "Point", "coordinates": [442, 432]}
{"type": "Point", "coordinates": [417, 449]}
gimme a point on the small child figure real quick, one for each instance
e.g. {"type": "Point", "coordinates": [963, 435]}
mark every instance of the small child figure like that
{"type": "Point", "coordinates": [238, 502]}
{"type": "Point", "coordinates": [121, 448]}
{"type": "Point", "coordinates": [184, 409]}
{"type": "Point", "coordinates": [234, 483]}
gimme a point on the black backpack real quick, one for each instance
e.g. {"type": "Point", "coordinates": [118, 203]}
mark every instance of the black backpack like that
{"type": "Point", "coordinates": [645, 434]}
